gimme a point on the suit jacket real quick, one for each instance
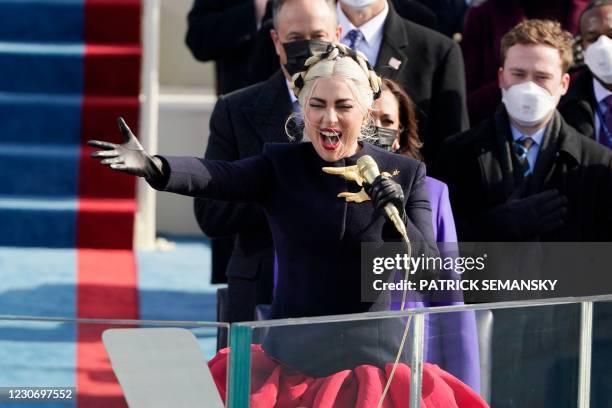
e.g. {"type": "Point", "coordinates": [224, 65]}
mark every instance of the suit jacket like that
{"type": "Point", "coordinates": [264, 61]}
{"type": "Point", "coordinates": [317, 237]}
{"type": "Point", "coordinates": [485, 25]}
{"type": "Point", "coordinates": [223, 31]}
{"type": "Point", "coordinates": [578, 105]}
{"type": "Point", "coordinates": [240, 124]}
{"type": "Point", "coordinates": [578, 167]}
{"type": "Point", "coordinates": [449, 14]}
{"type": "Point", "coordinates": [479, 168]}
{"type": "Point", "coordinates": [431, 71]}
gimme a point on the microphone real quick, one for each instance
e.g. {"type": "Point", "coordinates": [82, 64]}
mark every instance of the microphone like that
{"type": "Point", "coordinates": [369, 171]}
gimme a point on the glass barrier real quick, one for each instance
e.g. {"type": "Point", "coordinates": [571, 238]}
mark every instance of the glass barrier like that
{"type": "Point", "coordinates": [535, 353]}
{"type": "Point", "coordinates": [55, 362]}
{"type": "Point", "coordinates": [601, 356]}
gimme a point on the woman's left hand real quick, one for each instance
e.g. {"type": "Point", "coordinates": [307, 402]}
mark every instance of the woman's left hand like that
{"type": "Point", "coordinates": [385, 191]}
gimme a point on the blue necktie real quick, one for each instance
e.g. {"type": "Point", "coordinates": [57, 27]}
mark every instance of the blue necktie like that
{"type": "Point", "coordinates": [353, 37]}
{"type": "Point", "coordinates": [605, 129]}
{"type": "Point", "coordinates": [521, 148]}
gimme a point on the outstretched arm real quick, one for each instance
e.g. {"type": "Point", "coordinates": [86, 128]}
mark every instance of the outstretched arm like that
{"type": "Point", "coordinates": [248, 180]}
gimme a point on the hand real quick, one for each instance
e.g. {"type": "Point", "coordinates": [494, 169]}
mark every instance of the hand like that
{"type": "Point", "coordinates": [129, 157]}
{"type": "Point", "coordinates": [383, 191]}
{"type": "Point", "coordinates": [532, 215]}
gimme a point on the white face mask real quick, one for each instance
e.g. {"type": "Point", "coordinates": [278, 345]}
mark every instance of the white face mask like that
{"type": "Point", "coordinates": [527, 103]}
{"type": "Point", "coordinates": [358, 4]}
{"type": "Point", "coordinates": [598, 57]}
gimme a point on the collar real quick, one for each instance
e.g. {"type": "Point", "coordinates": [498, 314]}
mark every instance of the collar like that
{"type": "Point", "coordinates": [600, 92]}
{"type": "Point", "coordinates": [537, 136]}
{"type": "Point", "coordinates": [291, 94]}
{"type": "Point", "coordinates": [370, 29]}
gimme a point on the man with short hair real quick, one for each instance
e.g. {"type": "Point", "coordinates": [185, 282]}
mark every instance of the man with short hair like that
{"type": "Point", "coordinates": [588, 101]}
{"type": "Point", "coordinates": [525, 175]}
{"type": "Point", "coordinates": [426, 63]}
{"type": "Point", "coordinates": [240, 124]}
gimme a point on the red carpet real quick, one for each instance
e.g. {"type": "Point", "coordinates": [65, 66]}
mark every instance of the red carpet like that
{"type": "Point", "coordinates": [107, 288]}
{"type": "Point", "coordinates": [106, 276]}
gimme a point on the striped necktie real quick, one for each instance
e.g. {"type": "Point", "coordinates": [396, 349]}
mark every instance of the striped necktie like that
{"type": "Point", "coordinates": [605, 129]}
{"type": "Point", "coordinates": [521, 148]}
{"type": "Point", "coordinates": [353, 37]}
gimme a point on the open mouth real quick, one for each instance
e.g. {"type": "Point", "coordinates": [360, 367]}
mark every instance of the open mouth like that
{"type": "Point", "coordinates": [330, 138]}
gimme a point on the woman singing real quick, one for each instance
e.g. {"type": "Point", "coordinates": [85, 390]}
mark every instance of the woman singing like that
{"type": "Point", "coordinates": [317, 236]}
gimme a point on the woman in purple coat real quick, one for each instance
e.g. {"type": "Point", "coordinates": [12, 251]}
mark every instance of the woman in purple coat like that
{"type": "Point", "coordinates": [452, 339]}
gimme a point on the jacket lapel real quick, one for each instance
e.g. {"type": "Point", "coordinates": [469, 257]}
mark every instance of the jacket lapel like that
{"type": "Point", "coordinates": [495, 160]}
{"type": "Point", "coordinates": [270, 110]}
{"type": "Point", "coordinates": [391, 56]}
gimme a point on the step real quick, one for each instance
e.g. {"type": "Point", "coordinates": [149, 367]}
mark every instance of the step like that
{"type": "Point", "coordinates": [113, 21]}
{"type": "Point", "coordinates": [70, 69]}
{"type": "Point", "coordinates": [106, 223]}
{"type": "Point", "coordinates": [35, 222]}
{"type": "Point", "coordinates": [40, 118]}
{"type": "Point", "coordinates": [62, 119]}
{"type": "Point", "coordinates": [91, 21]}
{"type": "Point", "coordinates": [98, 181]}
{"type": "Point", "coordinates": [41, 68]}
{"type": "Point", "coordinates": [35, 170]}
{"type": "Point", "coordinates": [42, 20]}
{"type": "Point", "coordinates": [65, 222]}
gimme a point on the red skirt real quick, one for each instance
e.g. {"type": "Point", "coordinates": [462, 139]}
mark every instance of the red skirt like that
{"type": "Point", "coordinates": [274, 385]}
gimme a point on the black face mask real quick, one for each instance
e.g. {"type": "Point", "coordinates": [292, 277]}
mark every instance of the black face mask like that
{"type": "Point", "coordinates": [299, 51]}
{"type": "Point", "coordinates": [386, 137]}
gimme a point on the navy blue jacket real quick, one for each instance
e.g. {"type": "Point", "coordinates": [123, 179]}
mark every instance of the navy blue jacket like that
{"type": "Point", "coordinates": [317, 236]}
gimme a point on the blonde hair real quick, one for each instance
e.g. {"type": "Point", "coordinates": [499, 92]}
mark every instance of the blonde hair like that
{"type": "Point", "coordinates": [341, 62]}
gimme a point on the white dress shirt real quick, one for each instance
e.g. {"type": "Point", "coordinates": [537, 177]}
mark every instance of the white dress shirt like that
{"type": "Point", "coordinates": [372, 32]}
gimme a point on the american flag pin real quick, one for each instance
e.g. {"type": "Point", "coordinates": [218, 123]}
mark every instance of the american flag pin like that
{"type": "Point", "coordinates": [395, 63]}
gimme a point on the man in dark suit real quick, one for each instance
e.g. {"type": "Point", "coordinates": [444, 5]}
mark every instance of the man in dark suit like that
{"type": "Point", "coordinates": [240, 125]}
{"type": "Point", "coordinates": [223, 31]}
{"type": "Point", "coordinates": [525, 175]}
{"type": "Point", "coordinates": [587, 104]}
{"type": "Point", "coordinates": [427, 64]}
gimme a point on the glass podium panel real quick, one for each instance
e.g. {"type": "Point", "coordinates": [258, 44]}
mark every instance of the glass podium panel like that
{"type": "Point", "coordinates": [334, 360]}
{"type": "Point", "coordinates": [55, 362]}
{"type": "Point", "coordinates": [535, 353]}
{"type": "Point", "coordinates": [601, 356]}
{"type": "Point", "coordinates": [514, 357]}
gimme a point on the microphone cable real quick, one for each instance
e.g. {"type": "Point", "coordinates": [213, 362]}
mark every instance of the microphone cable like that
{"type": "Point", "coordinates": [408, 247]}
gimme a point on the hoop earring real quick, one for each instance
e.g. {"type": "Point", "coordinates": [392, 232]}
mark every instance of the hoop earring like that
{"type": "Point", "coordinates": [294, 127]}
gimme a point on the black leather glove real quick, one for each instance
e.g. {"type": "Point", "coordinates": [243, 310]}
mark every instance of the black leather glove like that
{"type": "Point", "coordinates": [129, 157]}
{"type": "Point", "coordinates": [383, 191]}
{"type": "Point", "coordinates": [530, 216]}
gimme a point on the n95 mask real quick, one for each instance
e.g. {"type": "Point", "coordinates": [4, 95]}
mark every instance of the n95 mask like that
{"type": "Point", "coordinates": [598, 57]}
{"type": "Point", "coordinates": [527, 103]}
